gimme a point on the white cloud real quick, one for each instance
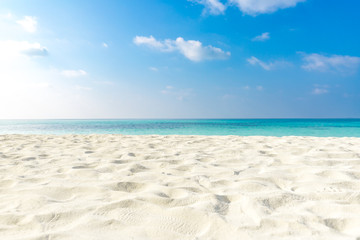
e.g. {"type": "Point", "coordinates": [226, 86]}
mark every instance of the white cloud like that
{"type": "Point", "coordinates": [256, 7]}
{"type": "Point", "coordinates": [267, 66]}
{"type": "Point", "coordinates": [152, 42]}
{"type": "Point", "coordinates": [105, 45]}
{"type": "Point", "coordinates": [337, 63]}
{"type": "Point", "coordinates": [249, 7]}
{"type": "Point", "coordinates": [73, 73]}
{"type": "Point", "coordinates": [12, 49]}
{"type": "Point", "coordinates": [35, 50]}
{"type": "Point", "coordinates": [154, 69]}
{"type": "Point", "coordinates": [191, 49]}
{"type": "Point", "coordinates": [214, 7]}
{"type": "Point", "coordinates": [194, 50]}
{"type": "Point", "coordinates": [28, 23]}
{"type": "Point", "coordinates": [261, 38]}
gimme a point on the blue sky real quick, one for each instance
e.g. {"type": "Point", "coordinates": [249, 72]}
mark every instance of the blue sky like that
{"type": "Point", "coordinates": [179, 59]}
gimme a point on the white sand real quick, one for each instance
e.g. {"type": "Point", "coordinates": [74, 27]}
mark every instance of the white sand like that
{"type": "Point", "coordinates": [179, 187]}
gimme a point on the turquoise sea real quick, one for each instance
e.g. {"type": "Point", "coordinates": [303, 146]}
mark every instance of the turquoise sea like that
{"type": "Point", "coordinates": [241, 127]}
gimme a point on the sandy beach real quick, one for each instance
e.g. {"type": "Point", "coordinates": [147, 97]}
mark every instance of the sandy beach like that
{"type": "Point", "coordinates": [178, 187]}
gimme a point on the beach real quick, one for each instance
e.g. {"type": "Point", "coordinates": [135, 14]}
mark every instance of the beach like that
{"type": "Point", "coordinates": [179, 187]}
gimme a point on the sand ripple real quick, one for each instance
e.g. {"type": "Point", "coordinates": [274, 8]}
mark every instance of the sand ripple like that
{"type": "Point", "coordinates": [179, 187]}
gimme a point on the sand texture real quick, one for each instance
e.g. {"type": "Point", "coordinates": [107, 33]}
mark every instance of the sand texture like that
{"type": "Point", "coordinates": [88, 187]}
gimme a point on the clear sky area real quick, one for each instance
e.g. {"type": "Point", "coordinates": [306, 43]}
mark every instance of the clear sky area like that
{"type": "Point", "coordinates": [179, 59]}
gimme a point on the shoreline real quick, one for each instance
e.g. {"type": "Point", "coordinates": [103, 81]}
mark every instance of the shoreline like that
{"type": "Point", "coordinates": [179, 186]}
{"type": "Point", "coordinates": [163, 135]}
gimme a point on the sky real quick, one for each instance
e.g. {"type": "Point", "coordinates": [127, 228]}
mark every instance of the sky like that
{"type": "Point", "coordinates": [179, 59]}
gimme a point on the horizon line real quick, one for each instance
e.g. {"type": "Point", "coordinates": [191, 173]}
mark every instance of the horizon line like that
{"type": "Point", "coordinates": [271, 118]}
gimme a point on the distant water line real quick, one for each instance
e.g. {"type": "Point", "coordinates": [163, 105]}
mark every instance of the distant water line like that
{"type": "Point", "coordinates": [241, 127]}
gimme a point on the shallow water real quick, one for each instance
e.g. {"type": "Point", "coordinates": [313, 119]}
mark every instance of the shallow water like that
{"type": "Point", "coordinates": [241, 127]}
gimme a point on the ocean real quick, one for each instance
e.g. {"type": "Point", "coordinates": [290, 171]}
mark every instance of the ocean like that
{"type": "Point", "coordinates": [240, 127]}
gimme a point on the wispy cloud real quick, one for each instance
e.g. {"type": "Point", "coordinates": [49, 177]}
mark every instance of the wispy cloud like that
{"type": "Point", "coordinates": [259, 88]}
{"type": "Point", "coordinates": [249, 7]}
{"type": "Point", "coordinates": [180, 94]}
{"type": "Point", "coordinates": [333, 63]}
{"type": "Point", "coordinates": [261, 38]}
{"type": "Point", "coordinates": [191, 49]}
{"type": "Point", "coordinates": [154, 69]}
{"type": "Point", "coordinates": [255, 61]}
{"type": "Point", "coordinates": [168, 88]}
{"type": "Point", "coordinates": [320, 89]}
{"type": "Point", "coordinates": [105, 45]}
{"type": "Point", "coordinates": [214, 7]}
{"type": "Point", "coordinates": [106, 83]}
{"type": "Point", "coordinates": [28, 23]}
{"type": "Point", "coordinates": [35, 50]}
{"type": "Point", "coordinates": [82, 88]}
{"type": "Point", "coordinates": [228, 97]}
{"type": "Point", "coordinates": [6, 16]}
{"type": "Point", "coordinates": [267, 66]}
{"type": "Point", "coordinates": [10, 49]}
{"type": "Point", "coordinates": [73, 73]}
